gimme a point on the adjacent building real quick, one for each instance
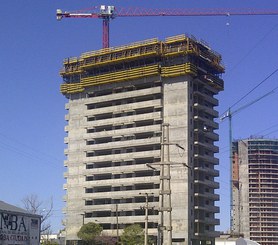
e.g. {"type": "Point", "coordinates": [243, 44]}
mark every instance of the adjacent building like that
{"type": "Point", "coordinates": [255, 189]}
{"type": "Point", "coordinates": [140, 129]}
{"type": "Point", "coordinates": [18, 226]}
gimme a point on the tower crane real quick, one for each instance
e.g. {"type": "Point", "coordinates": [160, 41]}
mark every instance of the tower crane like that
{"type": "Point", "coordinates": [107, 13]}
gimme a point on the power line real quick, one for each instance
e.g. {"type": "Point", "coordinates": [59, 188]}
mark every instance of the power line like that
{"type": "Point", "coordinates": [28, 152]}
{"type": "Point", "coordinates": [259, 84]}
{"type": "Point", "coordinates": [271, 132]}
{"type": "Point", "coordinates": [273, 126]}
{"type": "Point", "coordinates": [253, 48]}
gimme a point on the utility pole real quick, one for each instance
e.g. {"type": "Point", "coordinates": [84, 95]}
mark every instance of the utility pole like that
{"type": "Point", "coordinates": [146, 216]}
{"type": "Point", "coordinates": [165, 204]}
{"type": "Point", "coordinates": [165, 181]}
{"type": "Point", "coordinates": [117, 222]}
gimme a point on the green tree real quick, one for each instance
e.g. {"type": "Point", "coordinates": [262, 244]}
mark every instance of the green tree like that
{"type": "Point", "coordinates": [106, 240]}
{"type": "Point", "coordinates": [133, 235]}
{"type": "Point", "coordinates": [49, 243]}
{"type": "Point", "coordinates": [88, 232]}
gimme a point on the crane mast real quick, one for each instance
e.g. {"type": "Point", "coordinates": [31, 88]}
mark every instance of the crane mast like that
{"type": "Point", "coordinates": [106, 13]}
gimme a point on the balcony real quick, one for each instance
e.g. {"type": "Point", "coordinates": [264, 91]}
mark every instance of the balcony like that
{"type": "Point", "coordinates": [121, 182]}
{"type": "Point", "coordinates": [208, 183]}
{"type": "Point", "coordinates": [206, 109]}
{"type": "Point", "coordinates": [211, 147]}
{"type": "Point", "coordinates": [122, 156]}
{"type": "Point", "coordinates": [206, 122]}
{"type": "Point", "coordinates": [124, 95]}
{"type": "Point", "coordinates": [211, 196]}
{"type": "Point", "coordinates": [124, 120]}
{"type": "Point", "coordinates": [207, 158]}
{"type": "Point", "coordinates": [210, 171]}
{"type": "Point", "coordinates": [66, 140]}
{"type": "Point", "coordinates": [121, 206]}
{"type": "Point", "coordinates": [212, 209]}
{"type": "Point", "coordinates": [206, 97]}
{"type": "Point", "coordinates": [211, 234]}
{"type": "Point", "coordinates": [124, 144]}
{"type": "Point", "coordinates": [124, 108]}
{"type": "Point", "coordinates": [116, 170]}
{"type": "Point", "coordinates": [117, 194]}
{"type": "Point", "coordinates": [211, 135]}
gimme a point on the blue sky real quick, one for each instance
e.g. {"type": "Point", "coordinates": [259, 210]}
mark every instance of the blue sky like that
{"type": "Point", "coordinates": [33, 45]}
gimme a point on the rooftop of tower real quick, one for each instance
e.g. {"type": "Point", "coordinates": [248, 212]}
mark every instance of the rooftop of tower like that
{"type": "Point", "coordinates": [142, 59]}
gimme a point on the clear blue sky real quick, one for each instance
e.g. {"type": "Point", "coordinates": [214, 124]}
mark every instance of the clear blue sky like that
{"type": "Point", "coordinates": [33, 45]}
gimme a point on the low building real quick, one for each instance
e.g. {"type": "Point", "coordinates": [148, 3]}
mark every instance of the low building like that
{"type": "Point", "coordinates": [17, 226]}
{"type": "Point", "coordinates": [228, 240]}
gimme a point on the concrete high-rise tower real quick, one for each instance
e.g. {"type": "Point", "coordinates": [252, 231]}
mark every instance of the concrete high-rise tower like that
{"type": "Point", "coordinates": [120, 100]}
{"type": "Point", "coordinates": [255, 189]}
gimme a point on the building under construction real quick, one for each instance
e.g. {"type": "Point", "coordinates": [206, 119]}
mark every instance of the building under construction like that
{"type": "Point", "coordinates": [255, 190]}
{"type": "Point", "coordinates": [141, 140]}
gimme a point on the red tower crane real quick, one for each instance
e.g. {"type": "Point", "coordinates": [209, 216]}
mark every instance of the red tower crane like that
{"type": "Point", "coordinates": [106, 13]}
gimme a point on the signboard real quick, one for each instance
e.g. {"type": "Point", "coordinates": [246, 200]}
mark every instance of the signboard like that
{"type": "Point", "coordinates": [19, 228]}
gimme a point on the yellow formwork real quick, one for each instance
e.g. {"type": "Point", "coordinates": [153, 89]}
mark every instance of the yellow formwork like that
{"type": "Point", "coordinates": [173, 46]}
{"type": "Point", "coordinates": [130, 74]}
{"type": "Point", "coordinates": [70, 73]}
{"type": "Point", "coordinates": [71, 88]}
{"type": "Point", "coordinates": [178, 70]}
{"type": "Point", "coordinates": [70, 60]}
{"type": "Point", "coordinates": [177, 38]}
{"type": "Point", "coordinates": [134, 45]}
{"type": "Point", "coordinates": [119, 76]}
{"type": "Point", "coordinates": [117, 60]}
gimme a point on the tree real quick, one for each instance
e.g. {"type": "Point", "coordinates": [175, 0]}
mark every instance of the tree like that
{"type": "Point", "coordinates": [49, 243]}
{"type": "Point", "coordinates": [106, 240]}
{"type": "Point", "coordinates": [89, 232]}
{"type": "Point", "coordinates": [133, 235]}
{"type": "Point", "coordinates": [35, 206]}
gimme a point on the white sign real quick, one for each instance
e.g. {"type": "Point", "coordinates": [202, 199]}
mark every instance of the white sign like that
{"type": "Point", "coordinates": [19, 229]}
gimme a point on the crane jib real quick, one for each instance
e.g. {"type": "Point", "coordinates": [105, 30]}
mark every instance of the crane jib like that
{"type": "Point", "coordinates": [110, 12]}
